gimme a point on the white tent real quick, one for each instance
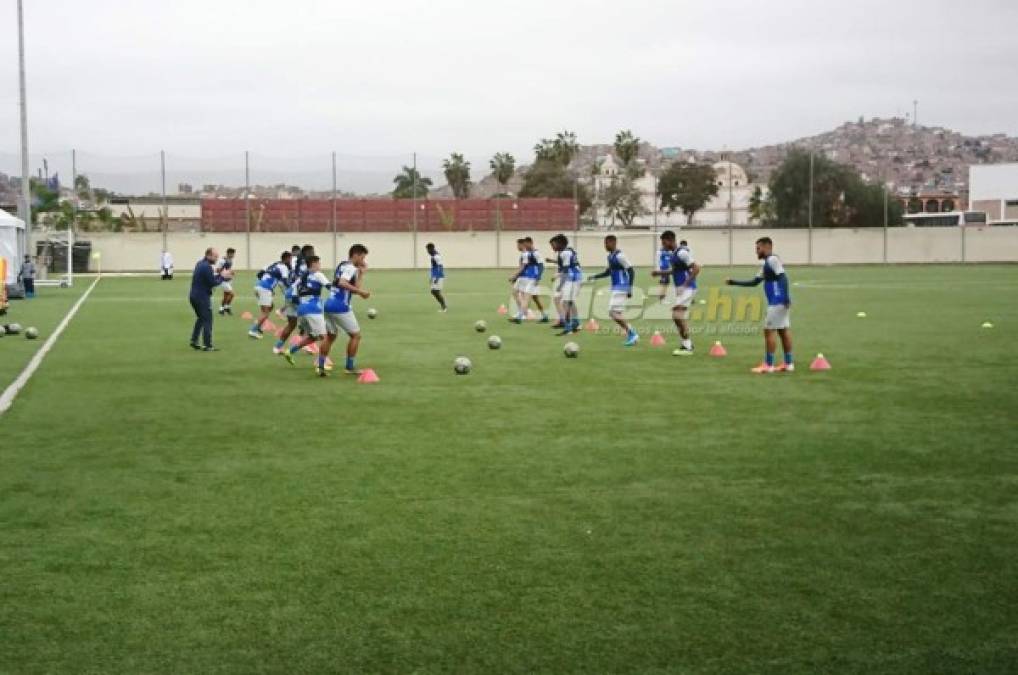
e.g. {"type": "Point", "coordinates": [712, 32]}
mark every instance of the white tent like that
{"type": "Point", "coordinates": [13, 245]}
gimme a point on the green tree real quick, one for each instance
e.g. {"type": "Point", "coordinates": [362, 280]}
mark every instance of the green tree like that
{"type": "Point", "coordinates": [548, 178]}
{"type": "Point", "coordinates": [405, 182]}
{"type": "Point", "coordinates": [457, 175]}
{"type": "Point", "coordinates": [627, 147]}
{"type": "Point", "coordinates": [503, 167]}
{"type": "Point", "coordinates": [622, 200]}
{"type": "Point", "coordinates": [561, 150]}
{"type": "Point", "coordinates": [686, 187]}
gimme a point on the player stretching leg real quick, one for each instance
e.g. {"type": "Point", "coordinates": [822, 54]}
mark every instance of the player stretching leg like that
{"type": "Point", "coordinates": [524, 280]}
{"type": "Point", "coordinates": [309, 308]}
{"type": "Point", "coordinates": [437, 275]}
{"type": "Point", "coordinates": [338, 312]}
{"type": "Point", "coordinates": [570, 277]}
{"type": "Point", "coordinates": [623, 276]}
{"type": "Point", "coordinates": [226, 263]}
{"type": "Point", "coordinates": [297, 272]}
{"type": "Point", "coordinates": [278, 273]}
{"type": "Point", "coordinates": [779, 303]}
{"type": "Point", "coordinates": [684, 271]}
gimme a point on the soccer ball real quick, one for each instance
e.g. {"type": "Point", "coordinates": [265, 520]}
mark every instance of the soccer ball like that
{"type": "Point", "coordinates": [494, 342]}
{"type": "Point", "coordinates": [32, 333]}
{"type": "Point", "coordinates": [372, 313]}
{"type": "Point", "coordinates": [571, 350]}
{"type": "Point", "coordinates": [13, 328]}
{"type": "Point", "coordinates": [3, 331]}
{"type": "Point", "coordinates": [480, 326]}
{"type": "Point", "coordinates": [461, 365]}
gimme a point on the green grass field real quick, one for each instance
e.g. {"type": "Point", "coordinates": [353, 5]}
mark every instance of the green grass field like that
{"type": "Point", "coordinates": [163, 510]}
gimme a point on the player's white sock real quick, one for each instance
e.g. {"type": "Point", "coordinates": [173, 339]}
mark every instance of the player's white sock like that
{"type": "Point", "coordinates": [687, 344]}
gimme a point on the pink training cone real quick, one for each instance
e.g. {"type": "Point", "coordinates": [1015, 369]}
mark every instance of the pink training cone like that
{"type": "Point", "coordinates": [247, 316]}
{"type": "Point", "coordinates": [820, 363]}
{"type": "Point", "coordinates": [502, 309]}
{"type": "Point", "coordinates": [657, 340]}
{"type": "Point", "coordinates": [368, 376]}
{"type": "Point", "coordinates": [593, 326]}
{"type": "Point", "coordinates": [718, 349]}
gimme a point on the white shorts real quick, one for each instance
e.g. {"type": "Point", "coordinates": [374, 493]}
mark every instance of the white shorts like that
{"type": "Point", "coordinates": [227, 287]}
{"type": "Point", "coordinates": [346, 322]}
{"type": "Point", "coordinates": [264, 296]}
{"type": "Point", "coordinates": [618, 301]}
{"type": "Point", "coordinates": [683, 296]}
{"type": "Point", "coordinates": [290, 310]}
{"type": "Point", "coordinates": [526, 285]}
{"type": "Point", "coordinates": [313, 325]}
{"type": "Point", "coordinates": [569, 291]}
{"type": "Point", "coordinates": [437, 284]}
{"type": "Point", "coordinates": [778, 317]}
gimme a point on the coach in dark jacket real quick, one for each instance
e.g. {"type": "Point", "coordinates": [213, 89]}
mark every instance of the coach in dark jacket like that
{"type": "Point", "coordinates": [203, 281]}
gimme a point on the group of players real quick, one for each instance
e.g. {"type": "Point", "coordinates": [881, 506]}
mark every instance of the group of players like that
{"type": "Point", "coordinates": [318, 307]}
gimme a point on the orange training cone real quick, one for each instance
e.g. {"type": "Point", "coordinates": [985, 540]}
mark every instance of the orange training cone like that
{"type": "Point", "coordinates": [502, 309]}
{"type": "Point", "coordinates": [820, 363]}
{"type": "Point", "coordinates": [247, 316]}
{"type": "Point", "coordinates": [593, 326]}
{"type": "Point", "coordinates": [718, 349]}
{"type": "Point", "coordinates": [368, 376]}
{"type": "Point", "coordinates": [657, 340]}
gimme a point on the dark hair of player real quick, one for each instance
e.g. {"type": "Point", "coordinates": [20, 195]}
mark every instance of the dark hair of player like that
{"type": "Point", "coordinates": [766, 241]}
{"type": "Point", "coordinates": [358, 248]}
{"type": "Point", "coordinates": [521, 241]}
{"type": "Point", "coordinates": [307, 250]}
{"type": "Point", "coordinates": [286, 255]}
{"type": "Point", "coordinates": [429, 246]}
{"type": "Point", "coordinates": [683, 243]}
{"type": "Point", "coordinates": [231, 251]}
{"type": "Point", "coordinates": [667, 235]}
{"type": "Point", "coordinates": [528, 240]}
{"type": "Point", "coordinates": [295, 249]}
{"type": "Point", "coordinates": [611, 237]}
{"type": "Point", "coordinates": [311, 259]}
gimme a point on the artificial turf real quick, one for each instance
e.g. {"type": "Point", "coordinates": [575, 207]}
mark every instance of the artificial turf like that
{"type": "Point", "coordinates": [163, 510]}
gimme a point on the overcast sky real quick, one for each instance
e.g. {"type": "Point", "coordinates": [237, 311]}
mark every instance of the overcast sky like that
{"type": "Point", "coordinates": [305, 77]}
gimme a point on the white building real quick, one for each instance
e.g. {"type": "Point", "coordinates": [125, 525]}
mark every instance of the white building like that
{"type": "Point", "coordinates": [993, 188]}
{"type": "Point", "coordinates": [730, 205]}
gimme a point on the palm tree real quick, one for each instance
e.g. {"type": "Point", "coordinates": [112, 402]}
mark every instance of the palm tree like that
{"type": "Point", "coordinates": [566, 147]}
{"type": "Point", "coordinates": [627, 147]}
{"type": "Point", "coordinates": [503, 166]}
{"type": "Point", "coordinates": [405, 182]}
{"type": "Point", "coordinates": [457, 174]}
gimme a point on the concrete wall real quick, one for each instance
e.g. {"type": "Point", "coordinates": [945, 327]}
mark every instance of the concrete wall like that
{"type": "Point", "coordinates": [395, 250]}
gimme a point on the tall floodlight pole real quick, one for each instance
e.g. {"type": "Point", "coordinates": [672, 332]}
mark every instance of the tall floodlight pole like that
{"type": "Point", "coordinates": [809, 253]}
{"type": "Point", "coordinates": [413, 217]}
{"type": "Point", "coordinates": [25, 210]}
{"type": "Point", "coordinates": [166, 208]}
{"type": "Point", "coordinates": [247, 205]}
{"type": "Point", "coordinates": [74, 217]}
{"type": "Point", "coordinates": [335, 251]}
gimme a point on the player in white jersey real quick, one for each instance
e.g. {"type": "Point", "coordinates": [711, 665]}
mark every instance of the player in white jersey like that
{"type": "Point", "coordinates": [223, 264]}
{"type": "Point", "coordinates": [568, 281]}
{"type": "Point", "coordinates": [339, 314]}
{"type": "Point", "coordinates": [275, 275]}
{"type": "Point", "coordinates": [779, 307]}
{"type": "Point", "coordinates": [683, 271]}
{"type": "Point", "coordinates": [436, 277]}
{"type": "Point", "coordinates": [298, 269]}
{"type": "Point", "coordinates": [525, 280]}
{"type": "Point", "coordinates": [310, 307]}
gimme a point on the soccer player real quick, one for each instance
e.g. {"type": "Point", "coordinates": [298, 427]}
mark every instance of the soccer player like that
{"type": "Point", "coordinates": [338, 312]}
{"type": "Point", "coordinates": [779, 303]}
{"type": "Point", "coordinates": [276, 274]}
{"type": "Point", "coordinates": [568, 281]}
{"type": "Point", "coordinates": [298, 270]}
{"type": "Point", "coordinates": [684, 270]}
{"type": "Point", "coordinates": [623, 276]}
{"type": "Point", "coordinates": [529, 243]}
{"type": "Point", "coordinates": [437, 275]}
{"type": "Point", "coordinates": [664, 264]}
{"type": "Point", "coordinates": [525, 279]}
{"type": "Point", "coordinates": [226, 263]}
{"type": "Point", "coordinates": [166, 265]}
{"type": "Point", "coordinates": [310, 308]}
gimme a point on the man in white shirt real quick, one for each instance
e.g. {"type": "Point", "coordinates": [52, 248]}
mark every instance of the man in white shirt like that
{"type": "Point", "coordinates": [166, 265]}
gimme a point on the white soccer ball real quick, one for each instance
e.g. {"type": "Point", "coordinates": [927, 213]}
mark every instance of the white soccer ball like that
{"type": "Point", "coordinates": [494, 342]}
{"type": "Point", "coordinates": [3, 331]}
{"type": "Point", "coordinates": [13, 328]}
{"type": "Point", "coordinates": [571, 350]}
{"type": "Point", "coordinates": [481, 326]}
{"type": "Point", "coordinates": [461, 365]}
{"type": "Point", "coordinates": [32, 332]}
{"type": "Point", "coordinates": [372, 313]}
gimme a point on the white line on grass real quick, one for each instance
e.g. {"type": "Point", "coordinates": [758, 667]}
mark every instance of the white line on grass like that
{"type": "Point", "coordinates": [7, 398]}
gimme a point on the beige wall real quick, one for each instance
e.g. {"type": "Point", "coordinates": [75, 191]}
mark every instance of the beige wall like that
{"type": "Point", "coordinates": [392, 250]}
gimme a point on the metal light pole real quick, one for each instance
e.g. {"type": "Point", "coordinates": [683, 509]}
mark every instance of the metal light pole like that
{"type": "Point", "coordinates": [25, 208]}
{"type": "Point", "coordinates": [413, 219]}
{"type": "Point", "coordinates": [247, 206]}
{"type": "Point", "coordinates": [809, 254]}
{"type": "Point", "coordinates": [335, 252]}
{"type": "Point", "coordinates": [74, 217]}
{"type": "Point", "coordinates": [166, 209]}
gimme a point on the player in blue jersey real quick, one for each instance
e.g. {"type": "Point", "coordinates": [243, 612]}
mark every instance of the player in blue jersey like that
{"type": "Point", "coordinates": [338, 308]}
{"type": "Point", "coordinates": [664, 264]}
{"type": "Point", "coordinates": [525, 280]}
{"type": "Point", "coordinates": [683, 272]}
{"type": "Point", "coordinates": [779, 304]}
{"type": "Point", "coordinates": [568, 282]}
{"type": "Point", "coordinates": [623, 277]}
{"type": "Point", "coordinates": [298, 269]}
{"type": "Point", "coordinates": [310, 306]}
{"type": "Point", "coordinates": [437, 275]}
{"type": "Point", "coordinates": [276, 274]}
{"type": "Point", "coordinates": [223, 264]}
